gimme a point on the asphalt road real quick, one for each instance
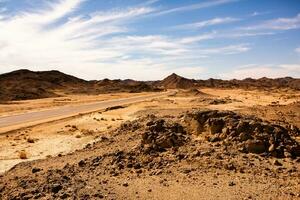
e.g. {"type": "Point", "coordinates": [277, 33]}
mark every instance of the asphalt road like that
{"type": "Point", "coordinates": [33, 118]}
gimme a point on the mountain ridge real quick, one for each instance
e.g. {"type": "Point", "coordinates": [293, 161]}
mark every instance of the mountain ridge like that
{"type": "Point", "coordinates": [24, 84]}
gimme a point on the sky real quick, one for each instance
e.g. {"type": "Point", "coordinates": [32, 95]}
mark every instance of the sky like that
{"type": "Point", "coordinates": [150, 39]}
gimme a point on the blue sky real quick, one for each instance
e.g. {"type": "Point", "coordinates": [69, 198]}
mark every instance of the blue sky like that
{"type": "Point", "coordinates": [150, 39]}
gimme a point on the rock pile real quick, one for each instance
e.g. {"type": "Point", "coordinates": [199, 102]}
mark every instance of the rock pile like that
{"type": "Point", "coordinates": [250, 134]}
{"type": "Point", "coordinates": [160, 134]}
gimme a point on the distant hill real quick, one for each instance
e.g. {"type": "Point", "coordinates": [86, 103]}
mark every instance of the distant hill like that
{"type": "Point", "coordinates": [25, 84]}
{"type": "Point", "coordinates": [177, 82]}
{"type": "Point", "coordinates": [248, 83]}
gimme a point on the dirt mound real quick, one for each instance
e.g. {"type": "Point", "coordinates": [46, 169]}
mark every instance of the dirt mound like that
{"type": "Point", "coordinates": [250, 134]}
{"type": "Point", "coordinates": [177, 82]}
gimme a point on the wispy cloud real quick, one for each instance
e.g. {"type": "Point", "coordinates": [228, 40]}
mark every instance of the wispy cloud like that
{"type": "Point", "coordinates": [297, 50]}
{"type": "Point", "coordinates": [256, 13]}
{"type": "Point", "coordinates": [198, 6]}
{"type": "Point", "coordinates": [229, 34]}
{"type": "Point", "coordinates": [210, 22]}
{"type": "Point", "coordinates": [231, 49]}
{"type": "Point", "coordinates": [277, 24]}
{"type": "Point", "coordinates": [259, 71]}
{"type": "Point", "coordinates": [198, 38]}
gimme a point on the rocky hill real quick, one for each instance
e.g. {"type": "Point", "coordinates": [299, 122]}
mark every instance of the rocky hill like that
{"type": "Point", "coordinates": [175, 81]}
{"type": "Point", "coordinates": [25, 84]}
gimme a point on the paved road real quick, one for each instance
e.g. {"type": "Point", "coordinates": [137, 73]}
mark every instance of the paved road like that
{"type": "Point", "coordinates": [33, 118]}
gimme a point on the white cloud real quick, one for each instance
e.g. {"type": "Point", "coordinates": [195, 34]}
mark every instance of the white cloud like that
{"type": "Point", "coordinates": [297, 50]}
{"type": "Point", "coordinates": [210, 22]}
{"type": "Point", "coordinates": [197, 6]}
{"type": "Point", "coordinates": [277, 24]}
{"type": "Point", "coordinates": [259, 71]}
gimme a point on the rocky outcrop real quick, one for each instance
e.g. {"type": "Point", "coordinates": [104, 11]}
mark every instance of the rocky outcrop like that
{"type": "Point", "coordinates": [250, 134]}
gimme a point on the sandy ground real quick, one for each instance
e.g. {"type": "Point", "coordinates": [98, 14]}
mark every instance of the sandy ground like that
{"type": "Point", "coordinates": [65, 136]}
{"type": "Point", "coordinates": [55, 138]}
{"type": "Point", "coordinates": [59, 137]}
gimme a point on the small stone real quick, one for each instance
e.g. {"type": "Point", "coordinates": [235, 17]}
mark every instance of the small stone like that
{"type": "Point", "coordinates": [277, 163]}
{"type": "Point", "coordinates": [231, 183]}
{"type": "Point", "coordinates": [255, 146]}
{"type": "Point", "coordinates": [137, 166]}
{"type": "Point", "coordinates": [35, 169]}
{"type": "Point", "coordinates": [244, 136]}
{"type": "Point", "coordinates": [186, 171]}
{"type": "Point", "coordinates": [272, 148]}
{"type": "Point", "coordinates": [287, 154]}
{"type": "Point", "coordinates": [81, 163]}
{"type": "Point", "coordinates": [230, 166]}
{"type": "Point", "coordinates": [64, 196]}
{"type": "Point", "coordinates": [30, 140]}
{"type": "Point", "coordinates": [56, 188]}
{"type": "Point", "coordinates": [125, 184]}
{"type": "Point", "coordinates": [214, 138]}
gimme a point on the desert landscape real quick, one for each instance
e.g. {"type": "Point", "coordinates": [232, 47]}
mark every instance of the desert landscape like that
{"type": "Point", "coordinates": [172, 139]}
{"type": "Point", "coordinates": [150, 99]}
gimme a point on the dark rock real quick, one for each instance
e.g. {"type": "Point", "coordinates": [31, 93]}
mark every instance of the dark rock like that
{"type": "Point", "coordinates": [244, 136]}
{"type": "Point", "coordinates": [55, 188]}
{"type": "Point", "coordinates": [214, 138]}
{"type": "Point", "coordinates": [215, 125]}
{"type": "Point", "coordinates": [35, 170]}
{"type": "Point", "coordinates": [255, 146]}
{"type": "Point", "coordinates": [277, 163]}
{"type": "Point", "coordinates": [231, 183]}
{"type": "Point", "coordinates": [81, 163]}
{"type": "Point", "coordinates": [64, 195]}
